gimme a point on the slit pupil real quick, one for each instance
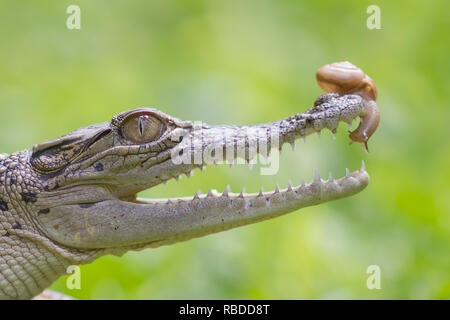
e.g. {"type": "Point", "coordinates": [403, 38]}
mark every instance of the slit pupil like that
{"type": "Point", "coordinates": [141, 126]}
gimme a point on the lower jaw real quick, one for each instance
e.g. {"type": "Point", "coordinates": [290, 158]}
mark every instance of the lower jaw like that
{"type": "Point", "coordinates": [330, 188]}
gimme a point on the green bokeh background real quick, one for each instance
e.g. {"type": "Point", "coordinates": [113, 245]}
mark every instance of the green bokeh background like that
{"type": "Point", "coordinates": [247, 62]}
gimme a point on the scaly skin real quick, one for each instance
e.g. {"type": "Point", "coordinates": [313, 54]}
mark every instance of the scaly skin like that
{"type": "Point", "coordinates": [72, 200]}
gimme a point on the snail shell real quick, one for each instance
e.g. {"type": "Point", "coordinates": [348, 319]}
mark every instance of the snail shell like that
{"type": "Point", "coordinates": [346, 78]}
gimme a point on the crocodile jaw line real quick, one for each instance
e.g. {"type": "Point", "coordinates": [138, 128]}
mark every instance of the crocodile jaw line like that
{"type": "Point", "coordinates": [115, 221]}
{"type": "Point", "coordinates": [351, 183]}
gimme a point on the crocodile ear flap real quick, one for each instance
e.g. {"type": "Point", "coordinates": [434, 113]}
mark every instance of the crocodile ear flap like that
{"type": "Point", "coordinates": [55, 154]}
{"type": "Point", "coordinates": [58, 153]}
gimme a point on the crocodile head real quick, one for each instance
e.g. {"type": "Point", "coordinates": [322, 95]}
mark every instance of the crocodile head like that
{"type": "Point", "coordinates": [88, 179]}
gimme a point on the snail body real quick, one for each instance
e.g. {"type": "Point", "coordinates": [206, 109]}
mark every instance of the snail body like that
{"type": "Point", "coordinates": [346, 78]}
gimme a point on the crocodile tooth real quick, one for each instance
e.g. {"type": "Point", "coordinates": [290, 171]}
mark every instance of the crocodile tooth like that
{"type": "Point", "coordinates": [363, 166]}
{"type": "Point", "coordinates": [292, 145]}
{"type": "Point", "coordinates": [318, 134]}
{"type": "Point", "coordinates": [304, 139]}
{"type": "Point", "coordinates": [241, 195]}
{"type": "Point", "coordinates": [226, 191]}
{"type": "Point", "coordinates": [197, 195]}
{"type": "Point", "coordinates": [347, 172]}
{"type": "Point", "coordinates": [350, 127]}
{"type": "Point", "coordinates": [261, 192]}
{"type": "Point", "coordinates": [250, 166]}
{"type": "Point", "coordinates": [277, 188]}
{"type": "Point", "coordinates": [210, 193]}
{"type": "Point", "coordinates": [289, 185]}
{"type": "Point", "coordinates": [330, 177]}
{"type": "Point", "coordinates": [303, 183]}
{"type": "Point", "coordinates": [316, 175]}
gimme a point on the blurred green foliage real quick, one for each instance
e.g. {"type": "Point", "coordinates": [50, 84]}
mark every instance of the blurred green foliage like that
{"type": "Point", "coordinates": [246, 62]}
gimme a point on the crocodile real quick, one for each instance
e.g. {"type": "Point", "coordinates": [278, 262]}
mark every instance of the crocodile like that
{"type": "Point", "coordinates": [71, 200]}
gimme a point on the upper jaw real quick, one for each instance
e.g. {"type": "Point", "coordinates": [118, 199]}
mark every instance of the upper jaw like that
{"type": "Point", "coordinates": [202, 145]}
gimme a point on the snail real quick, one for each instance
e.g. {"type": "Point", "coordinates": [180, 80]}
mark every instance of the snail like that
{"type": "Point", "coordinates": [346, 78]}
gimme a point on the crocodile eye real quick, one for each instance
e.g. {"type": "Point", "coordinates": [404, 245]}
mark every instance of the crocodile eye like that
{"type": "Point", "coordinates": [142, 128]}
